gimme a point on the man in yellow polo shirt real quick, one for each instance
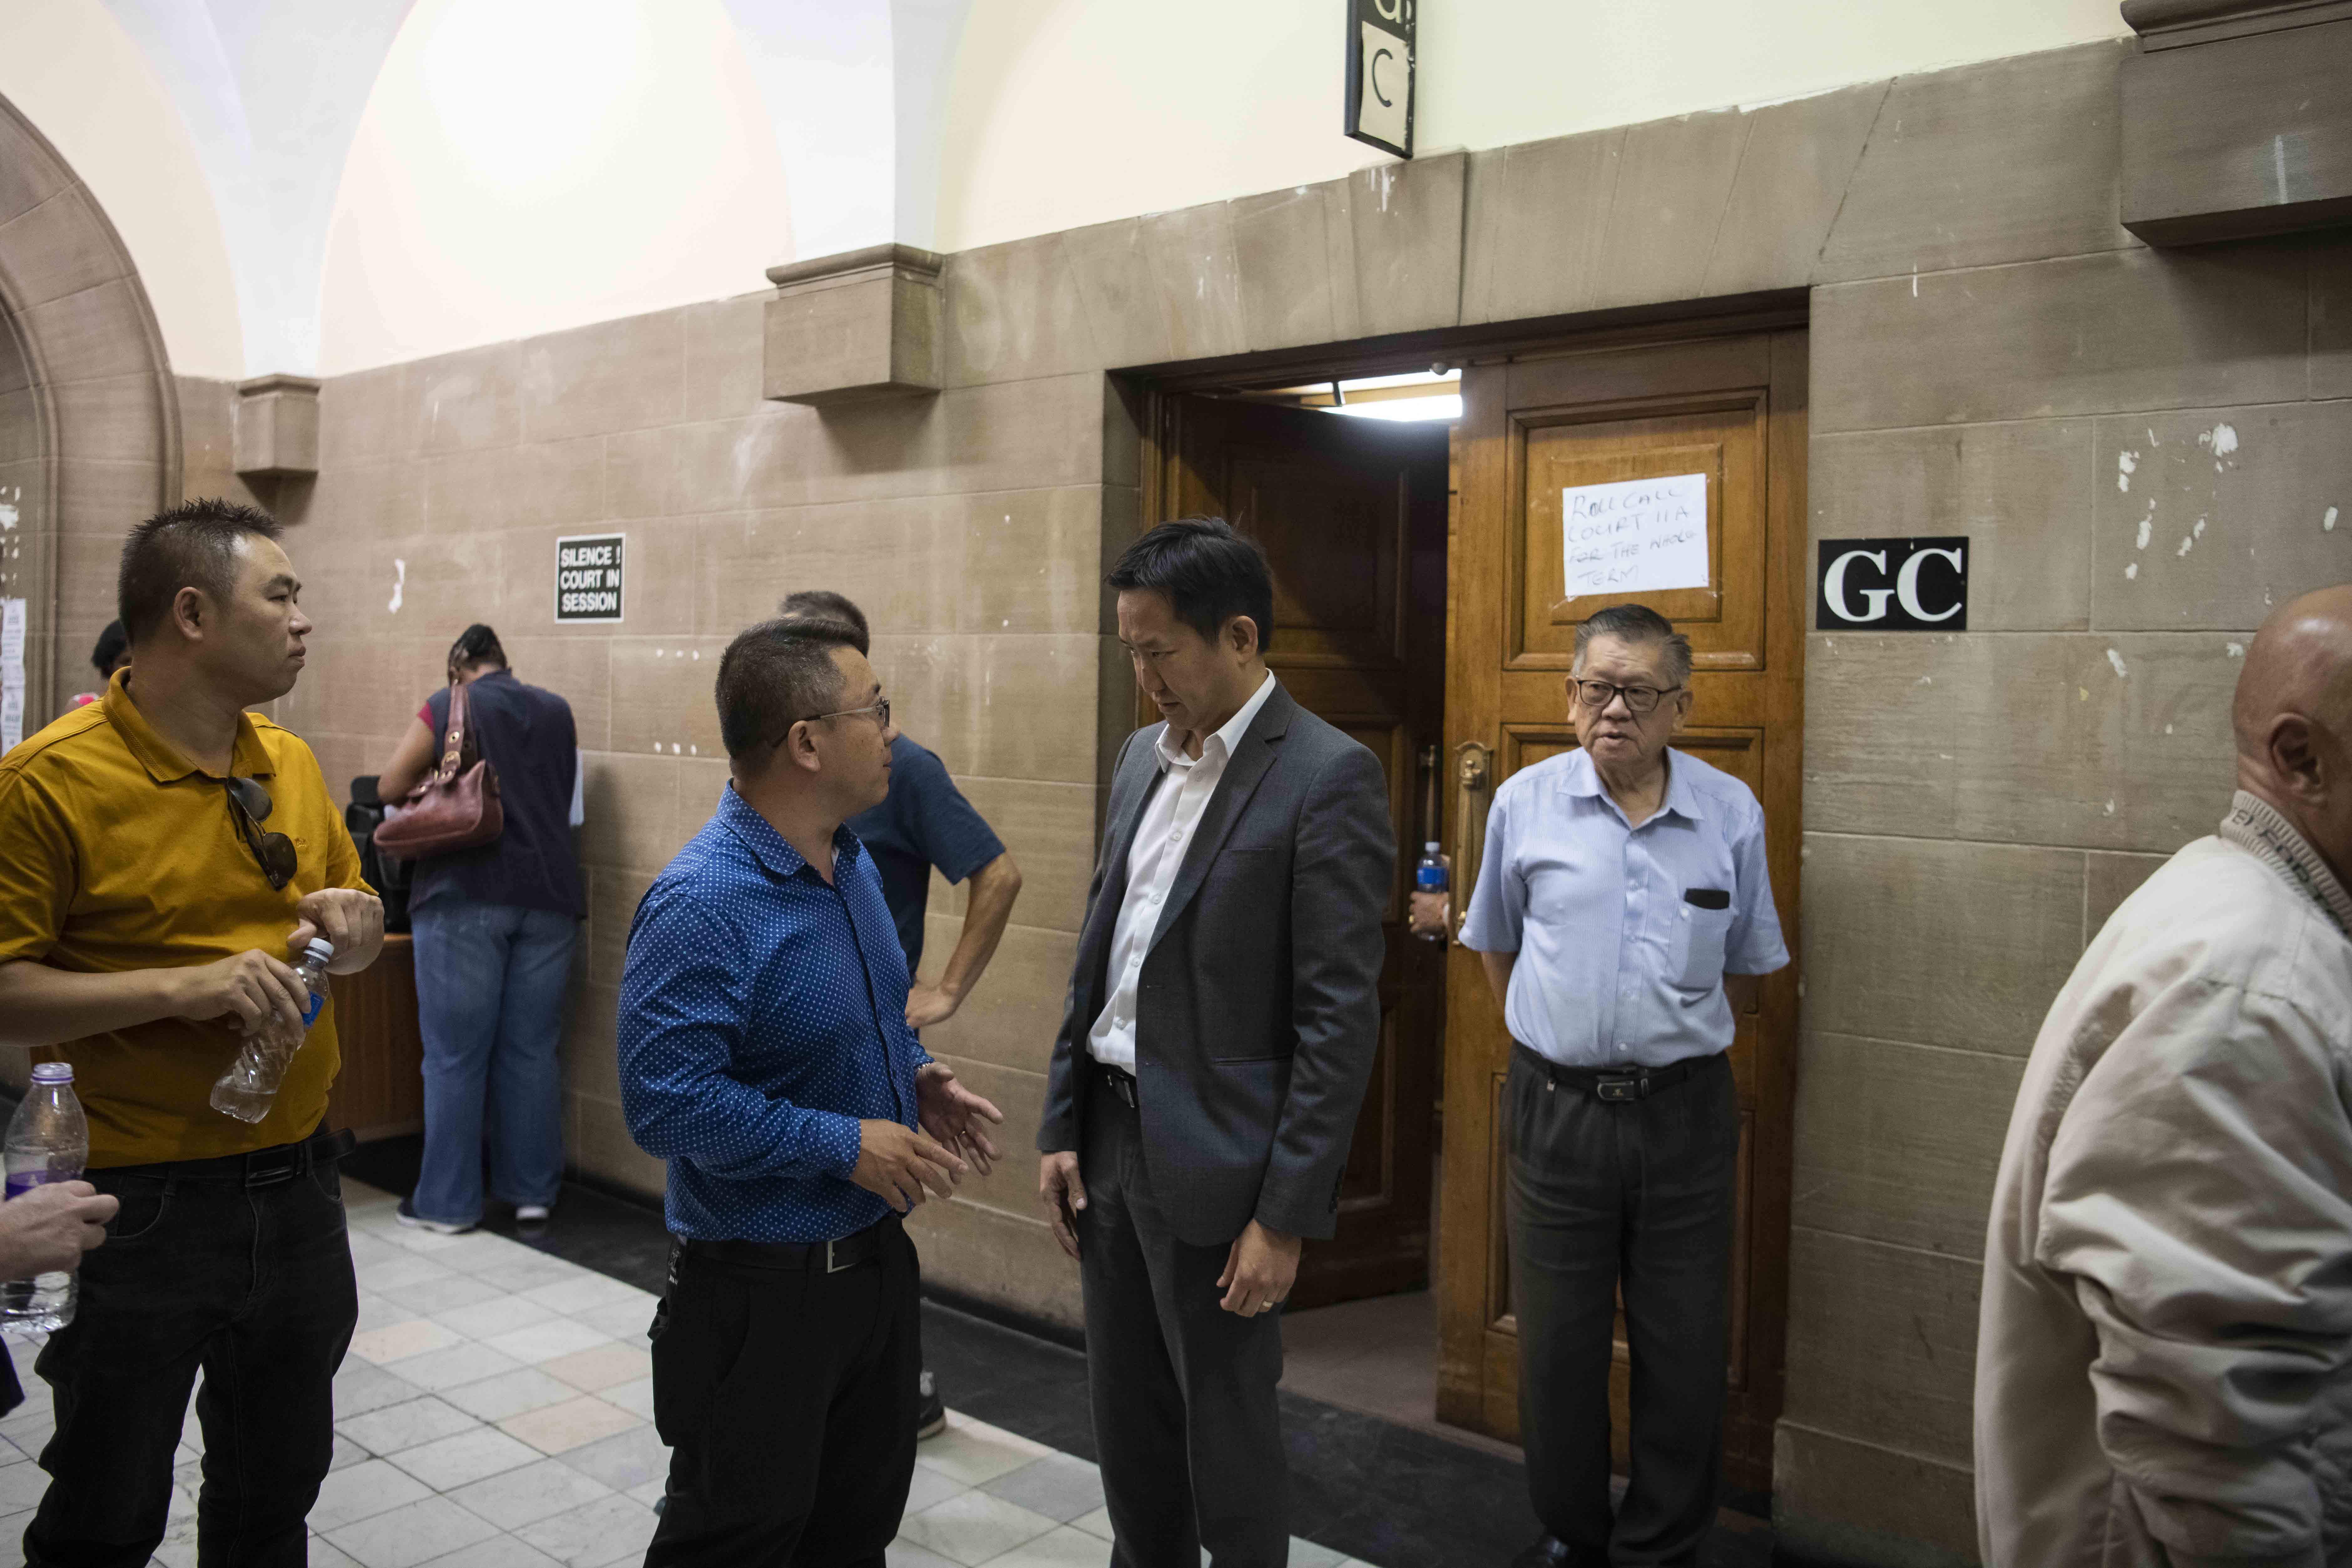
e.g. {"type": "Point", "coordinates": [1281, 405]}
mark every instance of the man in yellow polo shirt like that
{"type": "Point", "coordinates": [163, 855]}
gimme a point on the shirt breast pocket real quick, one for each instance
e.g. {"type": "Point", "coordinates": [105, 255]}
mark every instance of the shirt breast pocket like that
{"type": "Point", "coordinates": [1694, 959]}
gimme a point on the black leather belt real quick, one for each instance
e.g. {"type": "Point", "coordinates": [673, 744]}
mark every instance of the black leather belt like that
{"type": "Point", "coordinates": [1119, 1081]}
{"type": "Point", "coordinates": [1617, 1086]}
{"type": "Point", "coordinates": [262, 1168]}
{"type": "Point", "coordinates": [796, 1256]}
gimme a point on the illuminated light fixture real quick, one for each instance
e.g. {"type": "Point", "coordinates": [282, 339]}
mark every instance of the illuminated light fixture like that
{"type": "Point", "coordinates": [1405, 408]}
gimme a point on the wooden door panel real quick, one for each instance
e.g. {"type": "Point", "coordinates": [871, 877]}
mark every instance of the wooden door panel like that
{"type": "Point", "coordinates": [1352, 514]}
{"type": "Point", "coordinates": [1556, 448]}
{"type": "Point", "coordinates": [1732, 409]}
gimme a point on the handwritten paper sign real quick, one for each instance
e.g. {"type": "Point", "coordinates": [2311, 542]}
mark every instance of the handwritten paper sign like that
{"type": "Point", "coordinates": [1636, 536]}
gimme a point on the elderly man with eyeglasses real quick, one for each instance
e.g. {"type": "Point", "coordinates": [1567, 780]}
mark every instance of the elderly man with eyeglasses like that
{"type": "Point", "coordinates": [1622, 914]}
{"type": "Point", "coordinates": [162, 853]}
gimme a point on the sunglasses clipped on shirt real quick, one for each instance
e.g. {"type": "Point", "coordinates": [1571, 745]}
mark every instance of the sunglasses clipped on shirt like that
{"type": "Point", "coordinates": [250, 805]}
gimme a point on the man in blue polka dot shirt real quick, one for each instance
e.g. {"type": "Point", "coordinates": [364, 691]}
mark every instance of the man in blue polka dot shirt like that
{"type": "Point", "coordinates": [764, 1053]}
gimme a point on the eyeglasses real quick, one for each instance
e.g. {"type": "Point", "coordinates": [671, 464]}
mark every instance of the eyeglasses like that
{"type": "Point", "coordinates": [1598, 694]}
{"type": "Point", "coordinates": [250, 805]}
{"type": "Point", "coordinates": [881, 711]}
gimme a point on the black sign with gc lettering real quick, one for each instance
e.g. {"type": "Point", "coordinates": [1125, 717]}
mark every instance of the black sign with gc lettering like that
{"type": "Point", "coordinates": [1892, 585]}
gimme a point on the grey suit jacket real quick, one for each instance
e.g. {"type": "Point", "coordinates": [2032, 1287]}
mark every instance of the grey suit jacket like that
{"type": "Point", "coordinates": [1257, 1012]}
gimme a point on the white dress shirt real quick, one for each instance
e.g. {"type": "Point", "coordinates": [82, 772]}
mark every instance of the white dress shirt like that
{"type": "Point", "coordinates": [1152, 861]}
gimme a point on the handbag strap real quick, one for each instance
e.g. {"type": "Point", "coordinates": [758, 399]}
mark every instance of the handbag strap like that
{"type": "Point", "coordinates": [454, 750]}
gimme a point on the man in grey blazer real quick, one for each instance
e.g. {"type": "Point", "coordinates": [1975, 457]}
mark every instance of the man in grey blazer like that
{"type": "Point", "coordinates": [1219, 1028]}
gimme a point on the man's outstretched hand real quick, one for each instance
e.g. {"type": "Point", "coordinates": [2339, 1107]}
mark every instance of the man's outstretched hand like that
{"type": "Point", "coordinates": [955, 1116]}
{"type": "Point", "coordinates": [903, 1167]}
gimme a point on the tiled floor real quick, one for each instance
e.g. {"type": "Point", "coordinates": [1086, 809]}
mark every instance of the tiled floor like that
{"type": "Point", "coordinates": [496, 1412]}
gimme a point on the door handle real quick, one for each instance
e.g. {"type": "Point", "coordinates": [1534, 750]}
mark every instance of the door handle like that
{"type": "Point", "coordinates": [1474, 785]}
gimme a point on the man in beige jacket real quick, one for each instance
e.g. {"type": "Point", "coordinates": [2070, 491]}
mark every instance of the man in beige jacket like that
{"type": "Point", "coordinates": [2164, 1364]}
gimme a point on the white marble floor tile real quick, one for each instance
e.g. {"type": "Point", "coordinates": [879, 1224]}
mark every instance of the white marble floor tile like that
{"type": "Point", "coordinates": [416, 1533]}
{"type": "Point", "coordinates": [529, 1272]}
{"type": "Point", "coordinates": [609, 1529]}
{"type": "Point", "coordinates": [973, 1451]}
{"type": "Point", "coordinates": [624, 1321]}
{"type": "Point", "coordinates": [346, 1453]}
{"type": "Point", "coordinates": [930, 1487]}
{"type": "Point", "coordinates": [1056, 1485]}
{"type": "Point", "coordinates": [379, 1312]}
{"type": "Point", "coordinates": [450, 1463]}
{"type": "Point", "coordinates": [361, 1386]}
{"type": "Point", "coordinates": [974, 1528]}
{"type": "Point", "coordinates": [447, 1293]}
{"type": "Point", "coordinates": [573, 1297]}
{"type": "Point", "coordinates": [401, 1341]}
{"type": "Point", "coordinates": [361, 1490]}
{"type": "Point", "coordinates": [545, 1341]}
{"type": "Point", "coordinates": [398, 1427]}
{"type": "Point", "coordinates": [1307, 1555]}
{"type": "Point", "coordinates": [624, 1460]}
{"type": "Point", "coordinates": [1097, 1524]}
{"type": "Point", "coordinates": [603, 1366]}
{"type": "Point", "coordinates": [535, 1492]}
{"type": "Point", "coordinates": [394, 1272]}
{"type": "Point", "coordinates": [905, 1554]}
{"type": "Point", "coordinates": [1063, 1548]}
{"type": "Point", "coordinates": [325, 1553]}
{"type": "Point", "coordinates": [472, 1254]}
{"type": "Point", "coordinates": [635, 1396]}
{"type": "Point", "coordinates": [557, 1428]}
{"type": "Point", "coordinates": [456, 1366]}
{"type": "Point", "coordinates": [499, 1315]}
{"type": "Point", "coordinates": [21, 1487]}
{"type": "Point", "coordinates": [498, 1551]}
{"type": "Point", "coordinates": [511, 1394]}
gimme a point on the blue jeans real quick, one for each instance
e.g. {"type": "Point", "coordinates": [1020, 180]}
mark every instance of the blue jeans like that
{"type": "Point", "coordinates": [490, 985]}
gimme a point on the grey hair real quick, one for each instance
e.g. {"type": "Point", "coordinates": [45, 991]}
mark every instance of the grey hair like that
{"type": "Point", "coordinates": [1637, 623]}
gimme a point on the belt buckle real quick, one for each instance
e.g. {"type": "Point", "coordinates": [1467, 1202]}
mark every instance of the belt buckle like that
{"type": "Point", "coordinates": [1618, 1090]}
{"type": "Point", "coordinates": [829, 1266]}
{"type": "Point", "coordinates": [287, 1167]}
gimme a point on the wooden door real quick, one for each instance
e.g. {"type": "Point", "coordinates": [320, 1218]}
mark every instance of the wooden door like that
{"type": "Point", "coordinates": [1732, 409]}
{"type": "Point", "coordinates": [1352, 513]}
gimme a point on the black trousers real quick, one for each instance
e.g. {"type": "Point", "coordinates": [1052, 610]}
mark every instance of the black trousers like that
{"type": "Point", "coordinates": [787, 1396]}
{"type": "Point", "coordinates": [1636, 1193]}
{"type": "Point", "coordinates": [251, 1284]}
{"type": "Point", "coordinates": [1183, 1392]}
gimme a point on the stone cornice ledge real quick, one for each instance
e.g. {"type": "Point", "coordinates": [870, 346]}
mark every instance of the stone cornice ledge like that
{"type": "Point", "coordinates": [2170, 23]}
{"type": "Point", "coordinates": [852, 266]}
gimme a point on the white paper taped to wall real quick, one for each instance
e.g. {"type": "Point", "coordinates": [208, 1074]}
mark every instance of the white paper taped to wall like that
{"type": "Point", "coordinates": [12, 673]}
{"type": "Point", "coordinates": [1635, 536]}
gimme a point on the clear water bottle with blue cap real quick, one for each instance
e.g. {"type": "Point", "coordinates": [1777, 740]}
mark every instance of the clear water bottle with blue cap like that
{"type": "Point", "coordinates": [48, 1140]}
{"type": "Point", "coordinates": [249, 1087]}
{"type": "Point", "coordinates": [1430, 876]}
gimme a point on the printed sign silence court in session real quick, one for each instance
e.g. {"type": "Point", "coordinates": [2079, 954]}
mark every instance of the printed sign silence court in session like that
{"type": "Point", "coordinates": [588, 584]}
{"type": "Point", "coordinates": [1637, 536]}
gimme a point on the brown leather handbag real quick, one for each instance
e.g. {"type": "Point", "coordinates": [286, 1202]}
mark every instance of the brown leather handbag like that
{"type": "Point", "coordinates": [456, 808]}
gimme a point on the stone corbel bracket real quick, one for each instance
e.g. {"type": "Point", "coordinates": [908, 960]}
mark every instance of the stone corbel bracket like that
{"type": "Point", "coordinates": [849, 328]}
{"type": "Point", "coordinates": [2235, 119]}
{"type": "Point", "coordinates": [276, 428]}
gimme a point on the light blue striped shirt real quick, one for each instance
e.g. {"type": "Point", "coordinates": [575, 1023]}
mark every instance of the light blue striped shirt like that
{"type": "Point", "coordinates": [1621, 961]}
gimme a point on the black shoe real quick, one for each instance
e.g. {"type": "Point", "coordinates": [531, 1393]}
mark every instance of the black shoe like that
{"type": "Point", "coordinates": [1552, 1551]}
{"type": "Point", "coordinates": [931, 1415]}
{"type": "Point", "coordinates": [530, 1220]}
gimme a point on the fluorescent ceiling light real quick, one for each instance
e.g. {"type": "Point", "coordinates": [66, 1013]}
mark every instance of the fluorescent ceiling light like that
{"type": "Point", "coordinates": [1405, 408]}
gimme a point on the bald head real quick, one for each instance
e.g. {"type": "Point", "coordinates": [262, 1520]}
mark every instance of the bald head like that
{"type": "Point", "coordinates": [2292, 718]}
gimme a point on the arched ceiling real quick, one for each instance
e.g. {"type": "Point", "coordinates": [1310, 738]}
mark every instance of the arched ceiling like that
{"type": "Point", "coordinates": [272, 93]}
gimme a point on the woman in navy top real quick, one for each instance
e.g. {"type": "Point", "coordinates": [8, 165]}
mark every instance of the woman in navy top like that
{"type": "Point", "coordinates": [495, 928]}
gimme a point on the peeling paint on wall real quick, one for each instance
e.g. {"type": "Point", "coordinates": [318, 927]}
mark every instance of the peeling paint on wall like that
{"type": "Point", "coordinates": [2328, 523]}
{"type": "Point", "coordinates": [2117, 660]}
{"type": "Point", "coordinates": [399, 584]}
{"type": "Point", "coordinates": [2126, 464]}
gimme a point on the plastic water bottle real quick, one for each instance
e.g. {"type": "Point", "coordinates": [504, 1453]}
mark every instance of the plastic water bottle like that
{"type": "Point", "coordinates": [249, 1087]}
{"type": "Point", "coordinates": [49, 1140]}
{"type": "Point", "coordinates": [1429, 876]}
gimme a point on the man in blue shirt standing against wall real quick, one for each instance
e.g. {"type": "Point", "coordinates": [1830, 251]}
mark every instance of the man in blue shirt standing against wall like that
{"type": "Point", "coordinates": [1622, 914]}
{"type": "Point", "coordinates": [764, 1053]}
